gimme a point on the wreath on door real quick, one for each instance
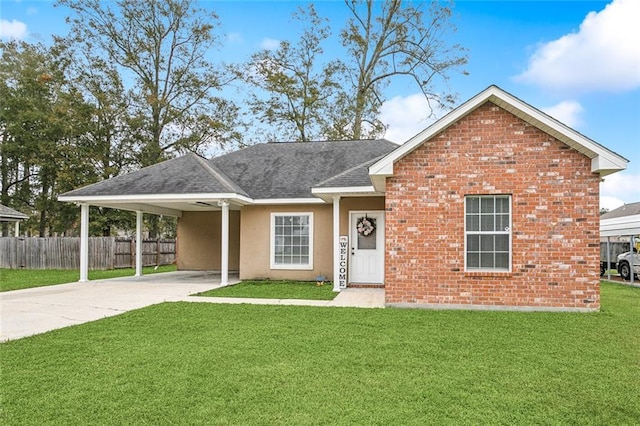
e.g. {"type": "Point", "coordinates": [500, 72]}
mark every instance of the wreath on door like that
{"type": "Point", "coordinates": [365, 226]}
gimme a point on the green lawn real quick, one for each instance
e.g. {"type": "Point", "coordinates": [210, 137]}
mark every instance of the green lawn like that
{"type": "Point", "coordinates": [16, 279]}
{"type": "Point", "coordinates": [200, 363]}
{"type": "Point", "coordinates": [275, 290]}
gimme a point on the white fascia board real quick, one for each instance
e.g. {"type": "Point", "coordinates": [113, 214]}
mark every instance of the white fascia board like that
{"type": "Point", "coordinates": [134, 207]}
{"type": "Point", "coordinates": [288, 201]}
{"type": "Point", "coordinates": [345, 190]}
{"type": "Point", "coordinates": [155, 198]}
{"type": "Point", "coordinates": [327, 194]}
{"type": "Point", "coordinates": [625, 225]}
{"type": "Point", "coordinates": [12, 217]}
{"type": "Point", "coordinates": [606, 161]}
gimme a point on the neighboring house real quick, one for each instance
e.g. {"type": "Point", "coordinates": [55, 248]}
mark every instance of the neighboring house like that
{"type": "Point", "coordinates": [10, 215]}
{"type": "Point", "coordinates": [621, 222]}
{"type": "Point", "coordinates": [495, 206]}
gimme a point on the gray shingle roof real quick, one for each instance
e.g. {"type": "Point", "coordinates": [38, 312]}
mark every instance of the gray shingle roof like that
{"type": "Point", "coordinates": [261, 171]}
{"type": "Point", "coordinates": [630, 209]}
{"type": "Point", "coordinates": [188, 174]}
{"type": "Point", "coordinates": [291, 169]}
{"type": "Point", "coordinates": [9, 213]}
{"type": "Point", "coordinates": [355, 176]}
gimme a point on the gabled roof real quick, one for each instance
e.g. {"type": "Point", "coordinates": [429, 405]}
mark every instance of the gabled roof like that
{"type": "Point", "coordinates": [603, 160]}
{"type": "Point", "coordinates": [11, 215]}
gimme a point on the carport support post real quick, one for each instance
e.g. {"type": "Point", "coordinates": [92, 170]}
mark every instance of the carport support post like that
{"type": "Point", "coordinates": [138, 243]}
{"type": "Point", "coordinates": [632, 257]}
{"type": "Point", "coordinates": [609, 258]}
{"type": "Point", "coordinates": [84, 243]}
{"type": "Point", "coordinates": [17, 234]}
{"type": "Point", "coordinates": [336, 245]}
{"type": "Point", "coordinates": [224, 249]}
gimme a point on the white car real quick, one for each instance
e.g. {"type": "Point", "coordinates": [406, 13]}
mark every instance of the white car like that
{"type": "Point", "coordinates": [624, 264]}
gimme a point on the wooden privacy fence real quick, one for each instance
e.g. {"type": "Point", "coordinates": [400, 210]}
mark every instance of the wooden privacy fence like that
{"type": "Point", "coordinates": [64, 253]}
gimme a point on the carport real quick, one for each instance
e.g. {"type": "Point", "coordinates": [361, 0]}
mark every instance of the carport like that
{"type": "Point", "coordinates": [172, 188]}
{"type": "Point", "coordinates": [623, 222]}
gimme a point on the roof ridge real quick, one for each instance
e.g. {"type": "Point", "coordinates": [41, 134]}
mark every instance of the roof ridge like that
{"type": "Point", "coordinates": [218, 174]}
{"type": "Point", "coordinates": [325, 141]}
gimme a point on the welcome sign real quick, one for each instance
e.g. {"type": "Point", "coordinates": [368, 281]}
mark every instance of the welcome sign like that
{"type": "Point", "coordinates": [342, 270]}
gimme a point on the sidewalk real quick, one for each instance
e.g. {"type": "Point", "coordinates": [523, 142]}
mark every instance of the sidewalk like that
{"type": "Point", "coordinates": [350, 297]}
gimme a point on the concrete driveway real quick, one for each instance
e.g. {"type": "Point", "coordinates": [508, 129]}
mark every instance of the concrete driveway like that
{"type": "Point", "coordinates": [37, 310]}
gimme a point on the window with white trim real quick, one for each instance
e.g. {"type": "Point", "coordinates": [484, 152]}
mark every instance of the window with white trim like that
{"type": "Point", "coordinates": [487, 233]}
{"type": "Point", "coordinates": [292, 240]}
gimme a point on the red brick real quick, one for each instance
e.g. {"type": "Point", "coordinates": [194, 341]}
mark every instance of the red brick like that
{"type": "Point", "coordinates": [555, 217]}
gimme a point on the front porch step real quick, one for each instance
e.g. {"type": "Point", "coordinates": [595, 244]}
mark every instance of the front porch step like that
{"type": "Point", "coordinates": [364, 285]}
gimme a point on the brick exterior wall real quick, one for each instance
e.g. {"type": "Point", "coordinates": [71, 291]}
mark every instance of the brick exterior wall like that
{"type": "Point", "coordinates": [555, 218]}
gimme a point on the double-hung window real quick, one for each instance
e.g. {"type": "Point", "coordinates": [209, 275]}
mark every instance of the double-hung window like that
{"type": "Point", "coordinates": [292, 240]}
{"type": "Point", "coordinates": [488, 233]}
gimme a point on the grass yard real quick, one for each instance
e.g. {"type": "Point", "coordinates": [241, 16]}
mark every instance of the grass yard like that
{"type": "Point", "coordinates": [200, 363]}
{"type": "Point", "coordinates": [16, 279]}
{"type": "Point", "coordinates": [275, 290]}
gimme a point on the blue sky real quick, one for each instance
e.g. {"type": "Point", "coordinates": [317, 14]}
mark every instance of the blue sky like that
{"type": "Point", "coordinates": [579, 61]}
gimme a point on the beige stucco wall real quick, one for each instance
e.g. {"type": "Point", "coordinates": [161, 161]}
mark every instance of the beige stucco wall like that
{"type": "Point", "coordinates": [255, 237]}
{"type": "Point", "coordinates": [198, 238]}
{"type": "Point", "coordinates": [198, 241]}
{"type": "Point", "coordinates": [348, 204]}
{"type": "Point", "coordinates": [255, 240]}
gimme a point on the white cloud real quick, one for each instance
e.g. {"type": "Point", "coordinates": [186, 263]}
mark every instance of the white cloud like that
{"type": "Point", "coordinates": [12, 29]}
{"type": "Point", "coordinates": [567, 112]}
{"type": "Point", "coordinates": [610, 203]}
{"type": "Point", "coordinates": [269, 44]}
{"type": "Point", "coordinates": [406, 116]}
{"type": "Point", "coordinates": [619, 188]}
{"type": "Point", "coordinates": [602, 56]}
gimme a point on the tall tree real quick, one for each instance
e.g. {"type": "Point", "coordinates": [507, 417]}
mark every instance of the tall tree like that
{"type": "Point", "coordinates": [294, 91]}
{"type": "Point", "coordinates": [161, 46]}
{"type": "Point", "coordinates": [108, 141]}
{"type": "Point", "coordinates": [388, 40]}
{"type": "Point", "coordinates": [42, 117]}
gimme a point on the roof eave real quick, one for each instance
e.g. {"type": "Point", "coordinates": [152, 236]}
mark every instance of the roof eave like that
{"type": "Point", "coordinates": [328, 193]}
{"type": "Point", "coordinates": [145, 202]}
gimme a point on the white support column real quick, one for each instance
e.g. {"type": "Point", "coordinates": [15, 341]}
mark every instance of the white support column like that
{"type": "Point", "coordinates": [632, 259]}
{"type": "Point", "coordinates": [138, 243]}
{"type": "Point", "coordinates": [608, 258]}
{"type": "Point", "coordinates": [336, 245]}
{"type": "Point", "coordinates": [224, 241]}
{"type": "Point", "coordinates": [84, 243]}
{"type": "Point", "coordinates": [17, 233]}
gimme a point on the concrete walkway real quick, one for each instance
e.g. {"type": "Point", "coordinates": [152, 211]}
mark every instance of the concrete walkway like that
{"type": "Point", "coordinates": [41, 309]}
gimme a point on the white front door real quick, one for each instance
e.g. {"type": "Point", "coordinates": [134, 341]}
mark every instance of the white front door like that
{"type": "Point", "coordinates": [367, 247]}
